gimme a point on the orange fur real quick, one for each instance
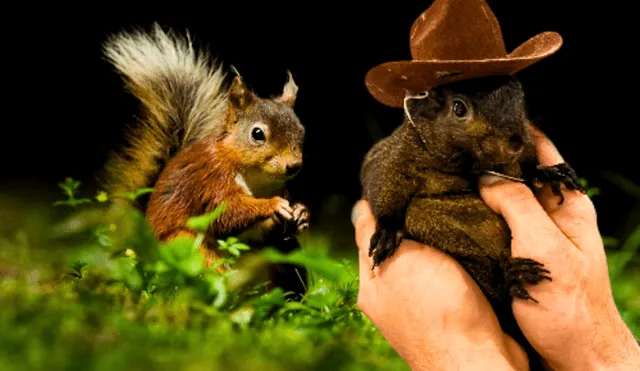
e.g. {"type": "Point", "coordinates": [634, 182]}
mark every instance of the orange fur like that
{"type": "Point", "coordinates": [195, 182]}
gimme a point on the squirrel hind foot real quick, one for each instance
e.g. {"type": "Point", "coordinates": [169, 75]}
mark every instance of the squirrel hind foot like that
{"type": "Point", "coordinates": [521, 271]}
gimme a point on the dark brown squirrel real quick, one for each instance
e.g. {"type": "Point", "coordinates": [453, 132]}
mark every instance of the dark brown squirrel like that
{"type": "Point", "coordinates": [199, 144]}
{"type": "Point", "coordinates": [421, 183]}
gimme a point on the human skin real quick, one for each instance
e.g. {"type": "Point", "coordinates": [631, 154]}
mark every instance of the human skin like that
{"type": "Point", "coordinates": [436, 317]}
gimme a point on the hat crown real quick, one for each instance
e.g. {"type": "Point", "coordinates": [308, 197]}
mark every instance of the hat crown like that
{"type": "Point", "coordinates": [450, 41]}
{"type": "Point", "coordinates": [457, 30]}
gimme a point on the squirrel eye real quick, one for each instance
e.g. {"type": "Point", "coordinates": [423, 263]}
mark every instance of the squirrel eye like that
{"type": "Point", "coordinates": [459, 108]}
{"type": "Point", "coordinates": [257, 134]}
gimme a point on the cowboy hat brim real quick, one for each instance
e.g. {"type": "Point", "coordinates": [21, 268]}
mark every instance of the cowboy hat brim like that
{"type": "Point", "coordinates": [389, 82]}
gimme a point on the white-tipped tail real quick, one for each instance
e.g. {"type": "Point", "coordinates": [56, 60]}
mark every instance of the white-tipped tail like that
{"type": "Point", "coordinates": [178, 85]}
{"type": "Point", "coordinates": [182, 94]}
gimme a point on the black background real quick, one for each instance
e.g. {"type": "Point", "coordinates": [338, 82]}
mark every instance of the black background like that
{"type": "Point", "coordinates": [65, 108]}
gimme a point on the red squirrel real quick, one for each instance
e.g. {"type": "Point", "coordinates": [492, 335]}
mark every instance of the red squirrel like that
{"type": "Point", "coordinates": [199, 144]}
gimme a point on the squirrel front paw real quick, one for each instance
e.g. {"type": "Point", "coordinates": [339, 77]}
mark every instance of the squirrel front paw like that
{"type": "Point", "coordinates": [282, 209]}
{"type": "Point", "coordinates": [385, 241]}
{"type": "Point", "coordinates": [556, 176]}
{"type": "Point", "coordinates": [518, 271]}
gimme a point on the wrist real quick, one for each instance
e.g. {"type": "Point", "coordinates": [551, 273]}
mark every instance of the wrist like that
{"type": "Point", "coordinates": [625, 356]}
{"type": "Point", "coordinates": [624, 362]}
{"type": "Point", "coordinates": [488, 359]}
{"type": "Point", "coordinates": [493, 354]}
{"type": "Point", "coordinates": [463, 354]}
{"type": "Point", "coordinates": [615, 353]}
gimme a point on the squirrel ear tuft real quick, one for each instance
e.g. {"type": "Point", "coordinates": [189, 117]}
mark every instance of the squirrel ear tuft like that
{"type": "Point", "coordinates": [240, 95]}
{"type": "Point", "coordinates": [290, 91]}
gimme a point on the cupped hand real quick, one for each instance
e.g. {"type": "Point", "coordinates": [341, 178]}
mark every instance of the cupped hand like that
{"type": "Point", "coordinates": [575, 325]}
{"type": "Point", "coordinates": [429, 309]}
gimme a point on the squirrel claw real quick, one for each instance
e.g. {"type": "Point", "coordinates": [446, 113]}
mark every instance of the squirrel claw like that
{"type": "Point", "coordinates": [557, 176]}
{"type": "Point", "coordinates": [384, 243]}
{"type": "Point", "coordinates": [520, 271]}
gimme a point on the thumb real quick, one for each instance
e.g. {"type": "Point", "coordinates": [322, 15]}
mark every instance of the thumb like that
{"type": "Point", "coordinates": [365, 225]}
{"type": "Point", "coordinates": [520, 208]}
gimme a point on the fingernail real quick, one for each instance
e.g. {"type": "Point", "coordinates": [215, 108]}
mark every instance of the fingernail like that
{"type": "Point", "coordinates": [356, 212]}
{"type": "Point", "coordinates": [488, 179]}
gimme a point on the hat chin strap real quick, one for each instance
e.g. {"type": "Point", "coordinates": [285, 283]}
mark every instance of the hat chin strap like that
{"type": "Point", "coordinates": [424, 95]}
{"type": "Point", "coordinates": [406, 111]}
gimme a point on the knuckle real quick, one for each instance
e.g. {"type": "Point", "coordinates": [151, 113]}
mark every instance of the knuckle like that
{"type": "Point", "coordinates": [518, 192]}
{"type": "Point", "coordinates": [587, 209]}
{"type": "Point", "coordinates": [511, 191]}
{"type": "Point", "coordinates": [582, 209]}
{"type": "Point", "coordinates": [511, 199]}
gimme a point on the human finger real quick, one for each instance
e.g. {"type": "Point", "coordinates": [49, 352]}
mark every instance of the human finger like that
{"type": "Point", "coordinates": [576, 215]}
{"type": "Point", "coordinates": [526, 218]}
{"type": "Point", "coordinates": [548, 154]}
{"type": "Point", "coordinates": [365, 224]}
{"type": "Point", "coordinates": [515, 202]}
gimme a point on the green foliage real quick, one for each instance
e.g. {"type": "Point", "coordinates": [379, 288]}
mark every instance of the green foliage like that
{"type": "Point", "coordinates": [623, 183]}
{"type": "Point", "coordinates": [203, 222]}
{"type": "Point", "coordinates": [591, 191]}
{"type": "Point", "coordinates": [624, 263]}
{"type": "Point", "coordinates": [624, 270]}
{"type": "Point", "coordinates": [132, 196]}
{"type": "Point", "coordinates": [97, 291]}
{"type": "Point", "coordinates": [116, 298]}
{"type": "Point", "coordinates": [102, 197]}
{"type": "Point", "coordinates": [233, 246]}
{"type": "Point", "coordinates": [70, 186]}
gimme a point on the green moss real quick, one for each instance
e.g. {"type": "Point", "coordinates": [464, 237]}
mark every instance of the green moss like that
{"type": "Point", "coordinates": [95, 291]}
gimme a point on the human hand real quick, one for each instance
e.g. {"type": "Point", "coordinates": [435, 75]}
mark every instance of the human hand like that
{"type": "Point", "coordinates": [575, 325]}
{"type": "Point", "coordinates": [429, 309]}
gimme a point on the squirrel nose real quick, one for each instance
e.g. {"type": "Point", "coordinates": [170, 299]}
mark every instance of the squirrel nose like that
{"type": "Point", "coordinates": [515, 145]}
{"type": "Point", "coordinates": [293, 168]}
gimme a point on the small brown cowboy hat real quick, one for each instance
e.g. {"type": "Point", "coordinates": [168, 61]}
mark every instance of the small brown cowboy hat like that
{"type": "Point", "coordinates": [454, 40]}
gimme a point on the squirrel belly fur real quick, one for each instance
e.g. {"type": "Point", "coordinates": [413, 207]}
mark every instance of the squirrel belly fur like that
{"type": "Point", "coordinates": [199, 143]}
{"type": "Point", "coordinates": [421, 184]}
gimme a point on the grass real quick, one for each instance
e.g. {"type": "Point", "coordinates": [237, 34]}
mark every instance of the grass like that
{"type": "Point", "coordinates": [95, 291]}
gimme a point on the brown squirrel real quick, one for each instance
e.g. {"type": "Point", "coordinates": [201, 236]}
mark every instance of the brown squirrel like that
{"type": "Point", "coordinates": [421, 183]}
{"type": "Point", "coordinates": [464, 115]}
{"type": "Point", "coordinates": [199, 144]}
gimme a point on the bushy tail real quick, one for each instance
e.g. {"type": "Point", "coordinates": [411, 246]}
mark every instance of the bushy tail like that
{"type": "Point", "coordinates": [182, 96]}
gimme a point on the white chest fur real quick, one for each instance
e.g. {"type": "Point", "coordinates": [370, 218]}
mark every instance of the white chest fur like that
{"type": "Point", "coordinates": [259, 185]}
{"type": "Point", "coordinates": [243, 183]}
